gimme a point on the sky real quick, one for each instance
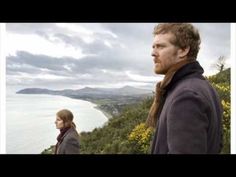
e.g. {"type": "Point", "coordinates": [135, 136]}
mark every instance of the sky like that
{"type": "Point", "coordinates": [109, 55]}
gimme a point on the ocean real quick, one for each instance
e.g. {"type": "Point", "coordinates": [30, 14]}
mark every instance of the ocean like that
{"type": "Point", "coordinates": [30, 118]}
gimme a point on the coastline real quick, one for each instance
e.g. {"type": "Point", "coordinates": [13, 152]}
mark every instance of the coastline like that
{"type": "Point", "coordinates": [49, 125]}
{"type": "Point", "coordinates": [97, 106]}
{"type": "Point", "coordinates": [50, 150]}
{"type": "Point", "coordinates": [108, 115]}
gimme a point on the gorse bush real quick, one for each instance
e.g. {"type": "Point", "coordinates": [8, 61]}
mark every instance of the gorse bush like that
{"type": "Point", "coordinates": [221, 82]}
{"type": "Point", "coordinates": [113, 138]}
{"type": "Point", "coordinates": [127, 133]}
{"type": "Point", "coordinates": [140, 138]}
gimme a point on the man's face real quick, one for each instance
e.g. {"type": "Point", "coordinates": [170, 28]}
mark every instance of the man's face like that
{"type": "Point", "coordinates": [164, 52]}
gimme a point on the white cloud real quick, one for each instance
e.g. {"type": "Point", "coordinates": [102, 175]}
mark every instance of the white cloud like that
{"type": "Point", "coordinates": [117, 54]}
{"type": "Point", "coordinates": [51, 77]}
{"type": "Point", "coordinates": [37, 45]}
{"type": "Point", "coordinates": [137, 77]}
{"type": "Point", "coordinates": [108, 44]}
{"type": "Point", "coordinates": [82, 32]}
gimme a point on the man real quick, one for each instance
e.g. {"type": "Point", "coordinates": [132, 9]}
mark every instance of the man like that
{"type": "Point", "coordinates": [186, 112]}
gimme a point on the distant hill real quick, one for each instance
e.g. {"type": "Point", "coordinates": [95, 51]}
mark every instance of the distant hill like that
{"type": "Point", "coordinates": [112, 138]}
{"type": "Point", "coordinates": [127, 90]}
{"type": "Point", "coordinates": [110, 100]}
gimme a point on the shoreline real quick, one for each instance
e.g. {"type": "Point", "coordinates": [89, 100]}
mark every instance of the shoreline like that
{"type": "Point", "coordinates": [109, 116]}
{"type": "Point", "coordinates": [97, 106]}
{"type": "Point", "coordinates": [92, 106]}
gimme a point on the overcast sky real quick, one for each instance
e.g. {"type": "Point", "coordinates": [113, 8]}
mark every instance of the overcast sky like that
{"type": "Point", "coordinates": [71, 56]}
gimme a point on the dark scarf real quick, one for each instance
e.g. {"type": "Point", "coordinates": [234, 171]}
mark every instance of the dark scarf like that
{"type": "Point", "coordinates": [60, 137]}
{"type": "Point", "coordinates": [62, 133]}
{"type": "Point", "coordinates": [175, 73]}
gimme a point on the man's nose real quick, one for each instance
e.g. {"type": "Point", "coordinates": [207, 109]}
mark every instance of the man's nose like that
{"type": "Point", "coordinates": [154, 53]}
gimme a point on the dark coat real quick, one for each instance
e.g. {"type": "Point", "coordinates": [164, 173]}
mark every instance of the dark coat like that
{"type": "Point", "coordinates": [70, 143]}
{"type": "Point", "coordinates": [191, 117]}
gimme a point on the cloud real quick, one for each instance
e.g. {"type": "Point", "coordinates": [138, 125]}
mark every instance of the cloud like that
{"type": "Point", "coordinates": [113, 54]}
{"type": "Point", "coordinates": [36, 69]}
{"type": "Point", "coordinates": [29, 28]}
{"type": "Point", "coordinates": [215, 39]}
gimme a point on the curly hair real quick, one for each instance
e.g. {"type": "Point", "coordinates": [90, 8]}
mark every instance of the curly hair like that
{"type": "Point", "coordinates": [185, 35]}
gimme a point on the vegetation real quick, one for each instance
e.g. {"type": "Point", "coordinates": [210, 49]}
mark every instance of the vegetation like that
{"type": "Point", "coordinates": [221, 82]}
{"type": "Point", "coordinates": [220, 64]}
{"type": "Point", "coordinates": [119, 135]}
{"type": "Point", "coordinates": [50, 150]}
{"type": "Point", "coordinates": [126, 133]}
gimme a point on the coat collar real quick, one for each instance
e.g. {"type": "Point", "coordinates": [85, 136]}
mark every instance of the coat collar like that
{"type": "Point", "coordinates": [192, 69]}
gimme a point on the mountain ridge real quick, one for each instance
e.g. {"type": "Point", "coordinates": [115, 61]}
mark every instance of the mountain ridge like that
{"type": "Point", "coordinates": [126, 90]}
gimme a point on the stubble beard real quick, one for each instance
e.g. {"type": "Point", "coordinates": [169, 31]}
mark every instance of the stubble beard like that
{"type": "Point", "coordinates": [158, 69]}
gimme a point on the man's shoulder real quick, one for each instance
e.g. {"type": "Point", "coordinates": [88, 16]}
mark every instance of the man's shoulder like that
{"type": "Point", "coordinates": [191, 84]}
{"type": "Point", "coordinates": [193, 87]}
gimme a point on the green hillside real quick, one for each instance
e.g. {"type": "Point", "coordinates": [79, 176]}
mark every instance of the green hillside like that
{"type": "Point", "coordinates": [127, 133]}
{"type": "Point", "coordinates": [114, 137]}
{"type": "Point", "coordinates": [221, 82]}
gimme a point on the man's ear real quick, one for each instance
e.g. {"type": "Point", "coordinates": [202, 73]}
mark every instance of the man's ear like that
{"type": "Point", "coordinates": [183, 52]}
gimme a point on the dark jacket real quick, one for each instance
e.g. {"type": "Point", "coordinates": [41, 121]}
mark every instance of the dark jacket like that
{"type": "Point", "coordinates": [190, 120]}
{"type": "Point", "coordinates": [70, 143]}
